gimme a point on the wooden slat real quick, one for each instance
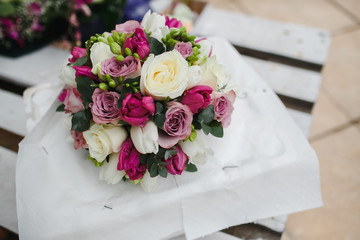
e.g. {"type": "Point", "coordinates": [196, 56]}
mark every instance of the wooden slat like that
{"type": "Point", "coordinates": [35, 68]}
{"type": "Point", "coordinates": [12, 110]}
{"type": "Point", "coordinates": [279, 38]}
{"type": "Point", "coordinates": [287, 80]}
{"type": "Point", "coordinates": [8, 218]}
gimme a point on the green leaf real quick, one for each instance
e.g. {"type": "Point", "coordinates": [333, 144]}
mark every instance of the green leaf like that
{"type": "Point", "coordinates": [161, 153]}
{"type": "Point", "coordinates": [85, 89]}
{"type": "Point", "coordinates": [206, 128]}
{"type": "Point", "coordinates": [150, 162]}
{"type": "Point", "coordinates": [7, 9]}
{"type": "Point", "coordinates": [196, 124]}
{"type": "Point", "coordinates": [159, 120]}
{"type": "Point", "coordinates": [80, 61]}
{"type": "Point", "coordinates": [80, 121]}
{"type": "Point", "coordinates": [189, 167]}
{"type": "Point", "coordinates": [163, 172]}
{"type": "Point", "coordinates": [154, 170]}
{"type": "Point", "coordinates": [206, 115]}
{"type": "Point", "coordinates": [143, 158]}
{"type": "Point", "coordinates": [156, 47]}
{"type": "Point", "coordinates": [159, 107]}
{"type": "Point", "coordinates": [217, 129]}
{"type": "Point", "coordinates": [61, 108]}
{"type": "Point", "coordinates": [169, 153]}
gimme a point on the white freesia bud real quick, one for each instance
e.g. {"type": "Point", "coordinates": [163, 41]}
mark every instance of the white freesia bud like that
{"type": "Point", "coordinates": [197, 151]}
{"type": "Point", "coordinates": [104, 140]}
{"type": "Point", "coordinates": [160, 33]}
{"type": "Point", "coordinates": [67, 75]}
{"type": "Point", "coordinates": [148, 183]}
{"type": "Point", "coordinates": [145, 138]}
{"type": "Point", "coordinates": [205, 50]}
{"type": "Point", "coordinates": [108, 171]}
{"type": "Point", "coordinates": [214, 74]}
{"type": "Point", "coordinates": [152, 21]}
{"type": "Point", "coordinates": [98, 53]}
{"type": "Point", "coordinates": [194, 75]}
{"type": "Point", "coordinates": [164, 75]}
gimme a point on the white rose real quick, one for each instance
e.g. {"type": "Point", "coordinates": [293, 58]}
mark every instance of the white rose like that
{"type": "Point", "coordinates": [164, 75]}
{"type": "Point", "coordinates": [104, 140]}
{"type": "Point", "coordinates": [145, 138]}
{"type": "Point", "coordinates": [108, 171]}
{"type": "Point", "coordinates": [98, 53]}
{"type": "Point", "coordinates": [148, 183]}
{"type": "Point", "coordinates": [152, 21]}
{"type": "Point", "coordinates": [214, 74]}
{"type": "Point", "coordinates": [197, 151]}
{"type": "Point", "coordinates": [205, 50]}
{"type": "Point", "coordinates": [194, 75]}
{"type": "Point", "coordinates": [67, 75]}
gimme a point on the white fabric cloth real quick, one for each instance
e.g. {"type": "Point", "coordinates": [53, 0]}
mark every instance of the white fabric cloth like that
{"type": "Point", "coordinates": [263, 167]}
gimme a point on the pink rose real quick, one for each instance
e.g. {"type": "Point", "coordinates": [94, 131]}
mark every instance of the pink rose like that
{"type": "Point", "coordinates": [137, 109]}
{"type": "Point", "coordinates": [77, 53]}
{"type": "Point", "coordinates": [72, 101]}
{"type": "Point", "coordinates": [85, 71]}
{"type": "Point", "coordinates": [172, 23]}
{"type": "Point", "coordinates": [62, 95]}
{"type": "Point", "coordinates": [127, 27]}
{"type": "Point", "coordinates": [79, 140]}
{"type": "Point", "coordinates": [176, 163]}
{"type": "Point", "coordinates": [223, 106]}
{"type": "Point", "coordinates": [117, 68]}
{"type": "Point", "coordinates": [197, 98]}
{"type": "Point", "coordinates": [138, 43]}
{"type": "Point", "coordinates": [177, 125]}
{"type": "Point", "coordinates": [129, 160]}
{"type": "Point", "coordinates": [104, 106]}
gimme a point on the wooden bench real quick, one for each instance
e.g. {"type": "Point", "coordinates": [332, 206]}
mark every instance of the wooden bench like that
{"type": "Point", "coordinates": [288, 56]}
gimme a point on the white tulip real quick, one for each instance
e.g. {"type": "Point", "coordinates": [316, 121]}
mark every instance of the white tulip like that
{"type": "Point", "coordinates": [108, 171]}
{"type": "Point", "coordinates": [214, 74]}
{"type": "Point", "coordinates": [152, 21]}
{"type": "Point", "coordinates": [145, 138]}
{"type": "Point", "coordinates": [148, 183]}
{"type": "Point", "coordinates": [194, 76]}
{"type": "Point", "coordinates": [104, 140]}
{"type": "Point", "coordinates": [197, 151]}
{"type": "Point", "coordinates": [164, 75]}
{"type": "Point", "coordinates": [67, 75]}
{"type": "Point", "coordinates": [98, 53]}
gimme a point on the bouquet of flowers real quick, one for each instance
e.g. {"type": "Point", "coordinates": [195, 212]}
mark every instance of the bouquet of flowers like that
{"type": "Point", "coordinates": [142, 99]}
{"type": "Point", "coordinates": [24, 23]}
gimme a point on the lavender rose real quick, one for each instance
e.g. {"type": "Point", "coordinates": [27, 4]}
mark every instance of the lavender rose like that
{"type": "Point", "coordinates": [104, 106]}
{"type": "Point", "coordinates": [176, 163]}
{"type": "Point", "coordinates": [184, 48]}
{"type": "Point", "coordinates": [223, 106]}
{"type": "Point", "coordinates": [127, 27]}
{"type": "Point", "coordinates": [117, 68]}
{"type": "Point", "coordinates": [129, 160]}
{"type": "Point", "coordinates": [197, 98]}
{"type": "Point", "coordinates": [137, 109]}
{"type": "Point", "coordinates": [178, 119]}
